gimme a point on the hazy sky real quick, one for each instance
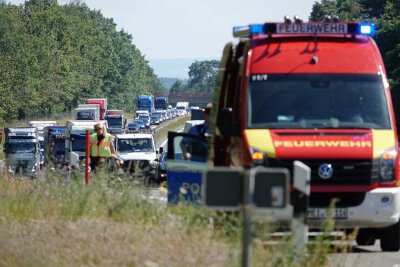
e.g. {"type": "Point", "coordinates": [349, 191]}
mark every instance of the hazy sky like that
{"type": "Point", "coordinates": [179, 29]}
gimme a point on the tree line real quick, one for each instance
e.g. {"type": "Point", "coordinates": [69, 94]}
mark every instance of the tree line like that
{"type": "Point", "coordinates": [54, 56]}
{"type": "Point", "coordinates": [386, 16]}
{"type": "Point", "coordinates": [202, 78]}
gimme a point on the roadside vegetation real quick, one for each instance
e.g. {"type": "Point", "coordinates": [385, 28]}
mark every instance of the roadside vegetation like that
{"type": "Point", "coordinates": [162, 132]}
{"type": "Point", "coordinates": [56, 220]}
{"type": "Point", "coordinates": [54, 56]}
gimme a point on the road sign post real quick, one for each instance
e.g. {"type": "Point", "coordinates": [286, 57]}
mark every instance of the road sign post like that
{"type": "Point", "coordinates": [87, 157]}
{"type": "Point", "coordinates": [246, 211]}
{"type": "Point", "coordinates": [301, 193]}
{"type": "Point", "coordinates": [262, 188]}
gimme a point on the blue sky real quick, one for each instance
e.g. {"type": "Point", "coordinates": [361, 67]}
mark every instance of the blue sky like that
{"type": "Point", "coordinates": [190, 29]}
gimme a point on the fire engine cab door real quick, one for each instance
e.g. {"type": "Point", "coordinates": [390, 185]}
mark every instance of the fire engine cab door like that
{"type": "Point", "coordinates": [184, 170]}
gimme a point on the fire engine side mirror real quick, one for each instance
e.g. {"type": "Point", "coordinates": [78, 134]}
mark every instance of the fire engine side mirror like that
{"type": "Point", "coordinates": [225, 122]}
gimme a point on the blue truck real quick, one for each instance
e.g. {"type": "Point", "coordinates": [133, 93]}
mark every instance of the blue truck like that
{"type": "Point", "coordinates": [54, 145]}
{"type": "Point", "coordinates": [161, 102]}
{"type": "Point", "coordinates": [145, 102]}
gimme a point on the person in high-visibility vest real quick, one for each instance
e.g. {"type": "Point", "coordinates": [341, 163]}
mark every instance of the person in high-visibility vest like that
{"type": "Point", "coordinates": [101, 146]}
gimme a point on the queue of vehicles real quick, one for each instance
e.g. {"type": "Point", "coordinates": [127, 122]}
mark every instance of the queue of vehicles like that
{"type": "Point", "coordinates": [44, 143]}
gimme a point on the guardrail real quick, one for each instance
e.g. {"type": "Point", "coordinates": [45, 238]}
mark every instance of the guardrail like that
{"type": "Point", "coordinates": [161, 126]}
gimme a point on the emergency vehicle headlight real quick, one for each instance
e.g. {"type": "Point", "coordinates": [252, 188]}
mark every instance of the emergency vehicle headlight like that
{"type": "Point", "coordinates": [387, 165]}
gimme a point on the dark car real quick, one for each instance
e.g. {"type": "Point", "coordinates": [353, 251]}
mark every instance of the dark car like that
{"type": "Point", "coordinates": [146, 120]}
{"type": "Point", "coordinates": [133, 127]}
{"type": "Point", "coordinates": [161, 170]}
{"type": "Point", "coordinates": [155, 119]}
{"type": "Point", "coordinates": [141, 124]}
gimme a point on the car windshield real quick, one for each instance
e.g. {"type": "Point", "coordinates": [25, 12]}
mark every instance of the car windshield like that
{"type": "Point", "coordinates": [139, 122]}
{"type": "Point", "coordinates": [133, 125]}
{"type": "Point", "coordinates": [143, 117]}
{"type": "Point", "coordinates": [154, 117]}
{"type": "Point", "coordinates": [135, 145]}
{"type": "Point", "coordinates": [317, 101]}
{"type": "Point", "coordinates": [21, 147]}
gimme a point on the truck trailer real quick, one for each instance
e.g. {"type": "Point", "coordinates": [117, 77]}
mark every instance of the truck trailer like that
{"type": "Point", "coordinates": [103, 105]}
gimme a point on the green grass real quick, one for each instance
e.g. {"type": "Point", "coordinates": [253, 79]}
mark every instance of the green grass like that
{"type": "Point", "coordinates": [57, 220]}
{"type": "Point", "coordinates": [172, 126]}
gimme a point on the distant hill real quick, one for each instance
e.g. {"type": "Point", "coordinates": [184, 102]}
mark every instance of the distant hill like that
{"type": "Point", "coordinates": [173, 68]}
{"type": "Point", "coordinates": [167, 82]}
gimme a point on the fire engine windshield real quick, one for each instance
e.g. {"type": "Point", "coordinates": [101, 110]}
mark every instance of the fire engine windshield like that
{"type": "Point", "coordinates": [317, 101]}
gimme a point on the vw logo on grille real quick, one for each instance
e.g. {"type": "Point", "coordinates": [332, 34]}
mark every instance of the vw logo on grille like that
{"type": "Point", "coordinates": [325, 171]}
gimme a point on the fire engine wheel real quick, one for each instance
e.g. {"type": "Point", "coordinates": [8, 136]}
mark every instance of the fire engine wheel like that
{"type": "Point", "coordinates": [390, 238]}
{"type": "Point", "coordinates": [365, 237]}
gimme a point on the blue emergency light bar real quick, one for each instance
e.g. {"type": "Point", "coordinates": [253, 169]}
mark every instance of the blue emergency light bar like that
{"type": "Point", "coordinates": [305, 28]}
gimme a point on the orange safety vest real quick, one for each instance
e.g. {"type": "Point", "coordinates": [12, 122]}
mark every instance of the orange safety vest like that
{"type": "Point", "coordinates": [100, 149]}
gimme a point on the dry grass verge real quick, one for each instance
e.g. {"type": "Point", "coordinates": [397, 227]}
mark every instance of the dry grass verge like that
{"type": "Point", "coordinates": [56, 220]}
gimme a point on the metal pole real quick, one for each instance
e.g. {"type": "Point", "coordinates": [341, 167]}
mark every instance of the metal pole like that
{"type": "Point", "coordinates": [87, 155]}
{"type": "Point", "coordinates": [246, 209]}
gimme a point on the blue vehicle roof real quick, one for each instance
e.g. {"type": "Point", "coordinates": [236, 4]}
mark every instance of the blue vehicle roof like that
{"type": "Point", "coordinates": [54, 130]}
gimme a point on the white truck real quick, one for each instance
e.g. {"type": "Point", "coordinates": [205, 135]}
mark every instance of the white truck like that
{"type": "Point", "coordinates": [141, 112]}
{"type": "Point", "coordinates": [75, 138]}
{"type": "Point", "coordinates": [116, 121]}
{"type": "Point", "coordinates": [182, 107]}
{"type": "Point", "coordinates": [137, 154]}
{"type": "Point", "coordinates": [21, 148]}
{"type": "Point", "coordinates": [40, 125]}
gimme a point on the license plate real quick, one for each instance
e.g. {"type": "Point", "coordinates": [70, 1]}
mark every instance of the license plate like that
{"type": "Point", "coordinates": [319, 213]}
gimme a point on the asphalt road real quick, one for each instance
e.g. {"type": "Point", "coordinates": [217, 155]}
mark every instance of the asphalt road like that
{"type": "Point", "coordinates": [365, 256]}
